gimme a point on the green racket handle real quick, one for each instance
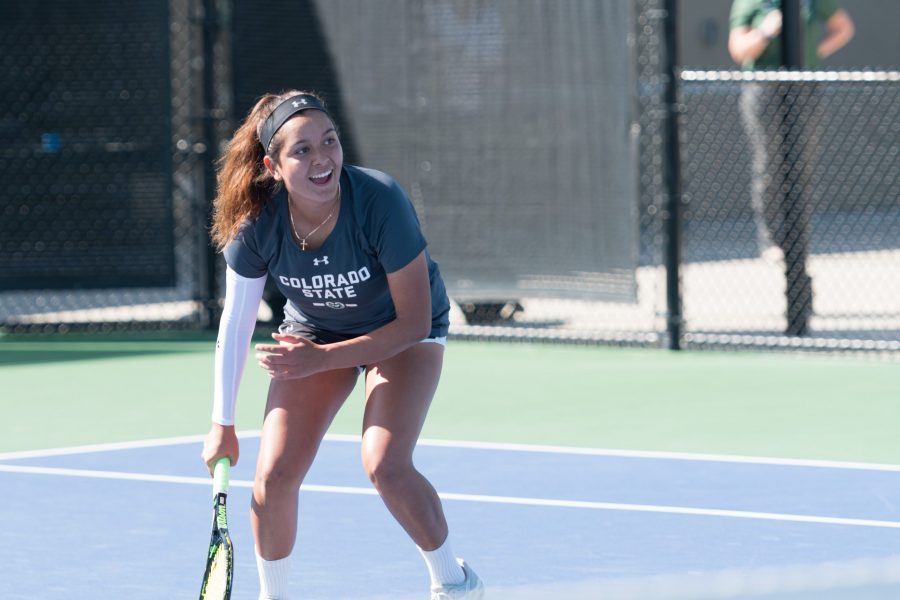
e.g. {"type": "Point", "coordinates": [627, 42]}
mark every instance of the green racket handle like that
{"type": "Point", "coordinates": [221, 475]}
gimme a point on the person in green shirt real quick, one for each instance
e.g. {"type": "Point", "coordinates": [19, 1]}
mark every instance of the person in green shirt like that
{"type": "Point", "coordinates": [781, 121]}
{"type": "Point", "coordinates": [755, 26]}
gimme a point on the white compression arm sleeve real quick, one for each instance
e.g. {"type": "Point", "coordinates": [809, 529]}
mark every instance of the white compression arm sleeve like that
{"type": "Point", "coordinates": [242, 297]}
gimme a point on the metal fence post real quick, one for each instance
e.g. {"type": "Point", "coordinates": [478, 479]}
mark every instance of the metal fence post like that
{"type": "Point", "coordinates": [798, 285]}
{"type": "Point", "coordinates": [672, 169]}
{"type": "Point", "coordinates": [210, 27]}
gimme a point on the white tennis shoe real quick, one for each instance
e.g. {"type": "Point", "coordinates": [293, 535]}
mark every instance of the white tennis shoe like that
{"type": "Point", "coordinates": [470, 589]}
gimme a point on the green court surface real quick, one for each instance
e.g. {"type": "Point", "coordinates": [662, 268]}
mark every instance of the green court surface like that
{"type": "Point", "coordinates": [72, 391]}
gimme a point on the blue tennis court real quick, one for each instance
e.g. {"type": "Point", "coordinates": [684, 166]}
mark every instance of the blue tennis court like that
{"type": "Point", "coordinates": [132, 520]}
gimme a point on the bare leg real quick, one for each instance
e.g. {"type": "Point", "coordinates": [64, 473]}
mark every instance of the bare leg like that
{"type": "Point", "coordinates": [298, 413]}
{"type": "Point", "coordinates": [398, 393]}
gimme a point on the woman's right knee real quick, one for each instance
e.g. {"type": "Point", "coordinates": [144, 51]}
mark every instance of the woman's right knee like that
{"type": "Point", "coordinates": [274, 482]}
{"type": "Point", "coordinates": [298, 414]}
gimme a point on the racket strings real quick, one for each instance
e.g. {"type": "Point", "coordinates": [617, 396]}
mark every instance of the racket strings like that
{"type": "Point", "coordinates": [217, 581]}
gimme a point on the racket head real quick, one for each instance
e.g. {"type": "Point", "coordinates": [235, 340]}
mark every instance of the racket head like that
{"type": "Point", "coordinates": [217, 578]}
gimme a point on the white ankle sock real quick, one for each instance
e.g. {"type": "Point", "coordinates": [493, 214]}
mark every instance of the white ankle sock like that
{"type": "Point", "coordinates": [442, 565]}
{"type": "Point", "coordinates": [273, 577]}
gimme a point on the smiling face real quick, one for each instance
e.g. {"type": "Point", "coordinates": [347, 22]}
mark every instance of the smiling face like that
{"type": "Point", "coordinates": [309, 157]}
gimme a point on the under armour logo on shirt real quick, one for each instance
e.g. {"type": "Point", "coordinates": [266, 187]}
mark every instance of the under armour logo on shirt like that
{"type": "Point", "coordinates": [320, 261]}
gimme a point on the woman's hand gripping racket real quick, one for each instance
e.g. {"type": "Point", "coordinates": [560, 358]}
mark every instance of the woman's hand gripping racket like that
{"type": "Point", "coordinates": [220, 559]}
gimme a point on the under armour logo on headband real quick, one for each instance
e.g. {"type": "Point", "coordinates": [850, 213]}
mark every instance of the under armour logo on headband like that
{"type": "Point", "coordinates": [285, 111]}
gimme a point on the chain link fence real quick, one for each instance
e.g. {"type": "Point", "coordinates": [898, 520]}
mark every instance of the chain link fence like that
{"type": "Point", "coordinates": [791, 195]}
{"type": "Point", "coordinates": [102, 206]}
{"type": "Point", "coordinates": [790, 203]}
{"type": "Point", "coordinates": [111, 117]}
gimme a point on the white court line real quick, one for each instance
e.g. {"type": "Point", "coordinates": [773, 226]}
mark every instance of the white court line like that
{"type": "Point", "coordinates": [110, 447]}
{"type": "Point", "coordinates": [687, 456]}
{"type": "Point", "coordinates": [545, 502]}
{"type": "Point", "coordinates": [570, 450]}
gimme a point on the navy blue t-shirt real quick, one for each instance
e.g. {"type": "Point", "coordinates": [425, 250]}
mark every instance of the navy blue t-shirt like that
{"type": "Point", "coordinates": [342, 288]}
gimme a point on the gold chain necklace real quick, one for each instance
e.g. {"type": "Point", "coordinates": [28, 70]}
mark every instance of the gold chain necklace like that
{"type": "Point", "coordinates": [303, 239]}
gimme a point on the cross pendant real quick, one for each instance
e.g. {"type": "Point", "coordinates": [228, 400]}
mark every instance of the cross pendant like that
{"type": "Point", "coordinates": [303, 244]}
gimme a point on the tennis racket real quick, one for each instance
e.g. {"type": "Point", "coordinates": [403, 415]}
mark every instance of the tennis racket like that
{"type": "Point", "coordinates": [220, 558]}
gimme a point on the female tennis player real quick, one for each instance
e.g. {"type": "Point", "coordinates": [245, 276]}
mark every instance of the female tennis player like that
{"type": "Point", "coordinates": [344, 246]}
